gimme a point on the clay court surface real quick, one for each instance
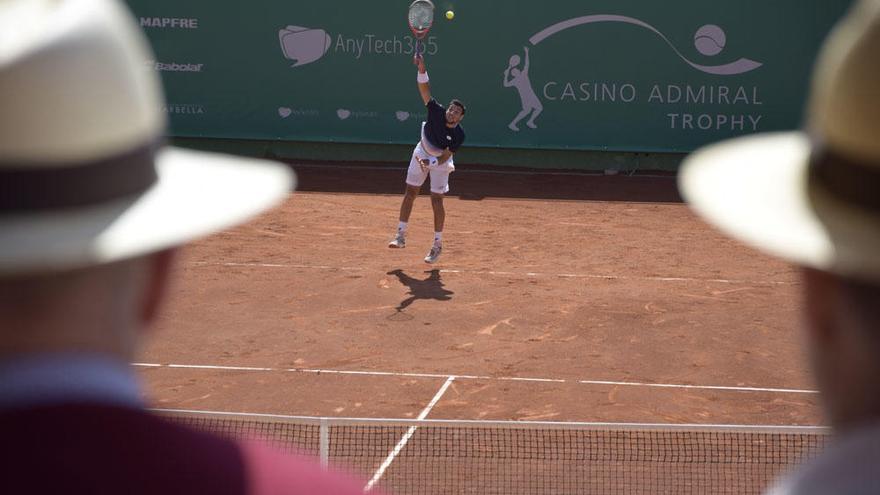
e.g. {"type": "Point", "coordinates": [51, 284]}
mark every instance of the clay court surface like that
{"type": "Point", "coordinates": [559, 297]}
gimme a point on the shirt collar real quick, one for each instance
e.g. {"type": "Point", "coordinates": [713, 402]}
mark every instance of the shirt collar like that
{"type": "Point", "coordinates": [64, 378]}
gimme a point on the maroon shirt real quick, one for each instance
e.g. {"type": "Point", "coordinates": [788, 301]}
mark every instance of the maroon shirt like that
{"type": "Point", "coordinates": [100, 449]}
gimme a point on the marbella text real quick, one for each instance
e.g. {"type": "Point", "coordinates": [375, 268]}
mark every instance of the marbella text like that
{"type": "Point", "coordinates": [736, 97]}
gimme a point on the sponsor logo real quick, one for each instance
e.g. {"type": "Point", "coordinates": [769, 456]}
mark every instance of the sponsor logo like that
{"type": "Point", "coordinates": [173, 67]}
{"type": "Point", "coordinates": [370, 44]}
{"type": "Point", "coordinates": [169, 22]}
{"type": "Point", "coordinates": [303, 45]}
{"type": "Point", "coordinates": [285, 112]}
{"type": "Point", "coordinates": [183, 109]}
{"type": "Point", "coordinates": [401, 115]}
{"type": "Point", "coordinates": [709, 40]}
{"type": "Point", "coordinates": [345, 114]}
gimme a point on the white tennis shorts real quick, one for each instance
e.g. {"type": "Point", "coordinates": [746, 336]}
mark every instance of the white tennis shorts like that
{"type": "Point", "coordinates": [439, 173]}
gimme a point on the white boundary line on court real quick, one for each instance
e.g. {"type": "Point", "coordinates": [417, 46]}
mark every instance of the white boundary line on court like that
{"type": "Point", "coordinates": [511, 171]}
{"type": "Point", "coordinates": [409, 433]}
{"type": "Point", "coordinates": [705, 387]}
{"type": "Point", "coordinates": [505, 274]}
{"type": "Point", "coordinates": [477, 377]}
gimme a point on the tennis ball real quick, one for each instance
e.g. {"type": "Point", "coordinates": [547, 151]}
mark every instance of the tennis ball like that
{"type": "Point", "coordinates": [450, 14]}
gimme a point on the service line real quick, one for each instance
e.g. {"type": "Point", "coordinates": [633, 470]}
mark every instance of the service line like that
{"type": "Point", "coordinates": [479, 377]}
{"type": "Point", "coordinates": [509, 274]}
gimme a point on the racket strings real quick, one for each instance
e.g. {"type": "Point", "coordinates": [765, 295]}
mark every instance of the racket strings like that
{"type": "Point", "coordinates": [421, 15]}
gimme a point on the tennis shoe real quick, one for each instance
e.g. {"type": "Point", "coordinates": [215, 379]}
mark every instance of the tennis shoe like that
{"type": "Point", "coordinates": [399, 242]}
{"type": "Point", "coordinates": [433, 254]}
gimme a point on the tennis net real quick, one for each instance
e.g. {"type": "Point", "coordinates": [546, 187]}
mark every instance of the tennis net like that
{"type": "Point", "coordinates": [488, 457]}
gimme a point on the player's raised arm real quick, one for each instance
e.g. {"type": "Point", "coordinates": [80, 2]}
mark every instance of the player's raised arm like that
{"type": "Point", "coordinates": [422, 79]}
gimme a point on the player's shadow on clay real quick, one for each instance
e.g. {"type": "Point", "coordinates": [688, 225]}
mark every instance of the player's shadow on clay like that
{"type": "Point", "coordinates": [429, 288]}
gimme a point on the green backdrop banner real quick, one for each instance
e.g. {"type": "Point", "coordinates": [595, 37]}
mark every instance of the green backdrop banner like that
{"type": "Point", "coordinates": [626, 75]}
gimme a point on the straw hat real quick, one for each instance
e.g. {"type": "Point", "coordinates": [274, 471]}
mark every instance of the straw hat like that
{"type": "Point", "coordinates": [810, 197]}
{"type": "Point", "coordinates": [84, 178]}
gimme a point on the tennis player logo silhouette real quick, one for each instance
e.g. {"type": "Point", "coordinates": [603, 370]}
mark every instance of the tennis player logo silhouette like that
{"type": "Point", "coordinates": [519, 79]}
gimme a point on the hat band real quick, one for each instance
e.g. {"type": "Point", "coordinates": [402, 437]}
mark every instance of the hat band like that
{"type": "Point", "coordinates": [38, 188]}
{"type": "Point", "coordinates": [856, 182]}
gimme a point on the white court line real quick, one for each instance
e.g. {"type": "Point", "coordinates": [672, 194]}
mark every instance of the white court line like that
{"type": "Point", "coordinates": [236, 368]}
{"type": "Point", "coordinates": [704, 387]}
{"type": "Point", "coordinates": [508, 274]}
{"type": "Point", "coordinates": [409, 433]}
{"type": "Point", "coordinates": [380, 373]}
{"type": "Point", "coordinates": [510, 171]}
{"type": "Point", "coordinates": [516, 379]}
{"type": "Point", "coordinates": [619, 277]}
{"type": "Point", "coordinates": [477, 377]}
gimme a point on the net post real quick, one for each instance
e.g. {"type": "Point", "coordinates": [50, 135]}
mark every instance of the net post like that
{"type": "Point", "coordinates": [324, 440]}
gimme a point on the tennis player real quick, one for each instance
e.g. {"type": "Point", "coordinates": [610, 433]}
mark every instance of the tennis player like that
{"type": "Point", "coordinates": [441, 136]}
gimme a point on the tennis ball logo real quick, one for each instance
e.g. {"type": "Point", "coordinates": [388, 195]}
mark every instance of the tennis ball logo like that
{"type": "Point", "coordinates": [343, 113]}
{"type": "Point", "coordinates": [401, 115]}
{"type": "Point", "coordinates": [710, 40]}
{"type": "Point", "coordinates": [284, 112]}
{"type": "Point", "coordinates": [303, 45]}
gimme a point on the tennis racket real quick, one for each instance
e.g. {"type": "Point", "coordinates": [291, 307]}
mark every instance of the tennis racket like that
{"type": "Point", "coordinates": [421, 17]}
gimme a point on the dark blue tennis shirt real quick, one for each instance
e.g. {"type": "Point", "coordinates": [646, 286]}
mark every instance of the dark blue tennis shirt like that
{"type": "Point", "coordinates": [437, 133]}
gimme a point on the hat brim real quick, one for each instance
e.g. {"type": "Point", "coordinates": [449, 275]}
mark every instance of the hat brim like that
{"type": "Point", "coordinates": [196, 193]}
{"type": "Point", "coordinates": [757, 190]}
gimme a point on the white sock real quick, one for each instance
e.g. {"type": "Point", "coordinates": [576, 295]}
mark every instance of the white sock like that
{"type": "Point", "coordinates": [401, 228]}
{"type": "Point", "coordinates": [438, 238]}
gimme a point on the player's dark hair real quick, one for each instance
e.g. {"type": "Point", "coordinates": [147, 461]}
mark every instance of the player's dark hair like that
{"type": "Point", "coordinates": [459, 104]}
